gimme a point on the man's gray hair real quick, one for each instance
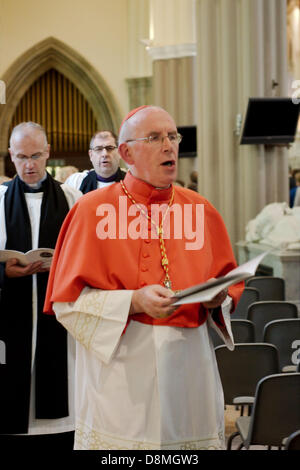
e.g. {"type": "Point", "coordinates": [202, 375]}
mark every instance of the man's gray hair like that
{"type": "Point", "coordinates": [24, 128]}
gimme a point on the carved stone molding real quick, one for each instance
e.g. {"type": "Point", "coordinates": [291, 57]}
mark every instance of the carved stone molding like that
{"type": "Point", "coordinates": [140, 91]}
{"type": "Point", "coordinates": [176, 51]}
{"type": "Point", "coordinates": [52, 53]}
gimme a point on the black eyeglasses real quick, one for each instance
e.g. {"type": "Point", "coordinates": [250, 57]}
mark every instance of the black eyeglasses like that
{"type": "Point", "coordinates": [36, 156]}
{"type": "Point", "coordinates": [108, 148]}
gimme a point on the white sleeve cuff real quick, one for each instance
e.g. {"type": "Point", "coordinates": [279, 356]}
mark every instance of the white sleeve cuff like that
{"type": "Point", "coordinates": [96, 319]}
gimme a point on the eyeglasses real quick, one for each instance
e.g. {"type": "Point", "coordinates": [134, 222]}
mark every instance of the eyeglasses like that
{"type": "Point", "coordinates": [36, 156]}
{"type": "Point", "coordinates": [108, 148]}
{"type": "Point", "coordinates": [159, 139]}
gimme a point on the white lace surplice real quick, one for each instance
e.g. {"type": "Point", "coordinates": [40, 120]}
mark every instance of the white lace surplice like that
{"type": "Point", "coordinates": [154, 387]}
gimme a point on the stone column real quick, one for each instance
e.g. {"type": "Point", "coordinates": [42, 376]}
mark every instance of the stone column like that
{"type": "Point", "coordinates": [139, 79]}
{"type": "Point", "coordinates": [140, 91]}
{"type": "Point", "coordinates": [241, 50]}
{"type": "Point", "coordinates": [173, 53]}
{"type": "Point", "coordinates": [174, 88]}
{"type": "Point", "coordinates": [172, 22]}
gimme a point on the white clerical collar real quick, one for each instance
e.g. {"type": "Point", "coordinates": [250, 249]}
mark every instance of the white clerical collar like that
{"type": "Point", "coordinates": [38, 184]}
{"type": "Point", "coordinates": [161, 189]}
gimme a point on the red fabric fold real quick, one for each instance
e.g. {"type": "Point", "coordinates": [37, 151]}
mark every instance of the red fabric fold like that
{"type": "Point", "coordinates": [82, 259]}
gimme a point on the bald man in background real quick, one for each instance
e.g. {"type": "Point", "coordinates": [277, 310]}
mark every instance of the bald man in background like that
{"type": "Point", "coordinates": [37, 379]}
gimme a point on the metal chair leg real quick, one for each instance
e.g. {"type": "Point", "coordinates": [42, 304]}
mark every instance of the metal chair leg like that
{"type": "Point", "coordinates": [230, 439]}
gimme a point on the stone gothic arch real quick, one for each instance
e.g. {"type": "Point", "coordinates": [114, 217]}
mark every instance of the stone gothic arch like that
{"type": "Point", "coordinates": [52, 53]}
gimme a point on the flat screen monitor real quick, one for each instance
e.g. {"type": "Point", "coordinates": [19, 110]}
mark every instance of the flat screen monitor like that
{"type": "Point", "coordinates": [270, 121]}
{"type": "Point", "coordinates": [188, 145]}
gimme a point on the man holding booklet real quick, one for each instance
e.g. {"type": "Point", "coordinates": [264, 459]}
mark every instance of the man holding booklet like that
{"type": "Point", "coordinates": [146, 372]}
{"type": "Point", "coordinates": [36, 400]}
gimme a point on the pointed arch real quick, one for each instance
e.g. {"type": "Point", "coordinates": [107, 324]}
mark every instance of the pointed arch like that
{"type": "Point", "coordinates": [52, 53]}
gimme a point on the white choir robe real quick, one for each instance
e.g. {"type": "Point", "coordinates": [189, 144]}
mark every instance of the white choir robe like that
{"type": "Point", "coordinates": [153, 387]}
{"type": "Point", "coordinates": [75, 180]}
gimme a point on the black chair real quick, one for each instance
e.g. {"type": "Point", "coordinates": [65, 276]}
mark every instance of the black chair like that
{"type": "Point", "coordinates": [216, 339]}
{"type": "Point", "coordinates": [249, 295]}
{"type": "Point", "coordinates": [261, 313]}
{"type": "Point", "coordinates": [269, 287]}
{"type": "Point", "coordinates": [285, 335]}
{"type": "Point", "coordinates": [241, 369]}
{"type": "Point", "coordinates": [293, 441]}
{"type": "Point", "coordinates": [275, 414]}
{"type": "Point", "coordinates": [242, 331]}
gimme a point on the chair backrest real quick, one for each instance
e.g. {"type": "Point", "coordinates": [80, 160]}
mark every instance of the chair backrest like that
{"type": "Point", "coordinates": [249, 295]}
{"type": "Point", "coordinates": [276, 411]}
{"type": "Point", "coordinates": [293, 441]}
{"type": "Point", "coordinates": [269, 287]}
{"type": "Point", "coordinates": [241, 369]}
{"type": "Point", "coordinates": [261, 313]}
{"type": "Point", "coordinates": [243, 331]}
{"type": "Point", "coordinates": [285, 335]}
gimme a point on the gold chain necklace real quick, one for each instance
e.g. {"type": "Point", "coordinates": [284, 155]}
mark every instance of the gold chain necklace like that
{"type": "Point", "coordinates": [159, 230]}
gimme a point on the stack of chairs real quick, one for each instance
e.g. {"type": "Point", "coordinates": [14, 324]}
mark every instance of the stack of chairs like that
{"type": "Point", "coordinates": [263, 372]}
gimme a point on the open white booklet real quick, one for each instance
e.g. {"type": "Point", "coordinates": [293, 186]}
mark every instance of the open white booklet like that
{"type": "Point", "coordinates": [208, 290]}
{"type": "Point", "coordinates": [40, 254]}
